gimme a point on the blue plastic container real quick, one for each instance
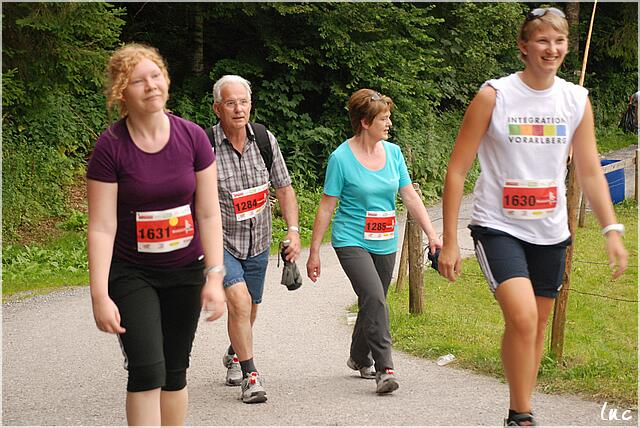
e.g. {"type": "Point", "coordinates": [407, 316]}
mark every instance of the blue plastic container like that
{"type": "Point", "coordinates": [615, 180]}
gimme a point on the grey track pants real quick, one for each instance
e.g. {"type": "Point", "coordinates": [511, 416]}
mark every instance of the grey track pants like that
{"type": "Point", "coordinates": [370, 275]}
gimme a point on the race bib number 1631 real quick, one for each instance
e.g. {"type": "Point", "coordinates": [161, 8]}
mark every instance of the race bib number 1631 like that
{"type": "Point", "coordinates": [164, 231]}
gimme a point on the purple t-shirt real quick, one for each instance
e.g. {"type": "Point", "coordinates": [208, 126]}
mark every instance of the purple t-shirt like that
{"type": "Point", "coordinates": [159, 185]}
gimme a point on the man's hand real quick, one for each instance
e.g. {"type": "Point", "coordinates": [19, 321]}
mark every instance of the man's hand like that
{"type": "Point", "coordinates": [292, 251]}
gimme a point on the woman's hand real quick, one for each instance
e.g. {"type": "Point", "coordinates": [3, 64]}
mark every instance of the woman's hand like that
{"type": "Point", "coordinates": [107, 315]}
{"type": "Point", "coordinates": [618, 255]}
{"type": "Point", "coordinates": [313, 266]}
{"type": "Point", "coordinates": [449, 262]}
{"type": "Point", "coordinates": [213, 297]}
{"type": "Point", "coordinates": [434, 243]}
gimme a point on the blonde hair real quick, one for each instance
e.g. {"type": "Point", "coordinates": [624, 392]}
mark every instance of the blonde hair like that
{"type": "Point", "coordinates": [367, 104]}
{"type": "Point", "coordinates": [531, 25]}
{"type": "Point", "coordinates": [120, 67]}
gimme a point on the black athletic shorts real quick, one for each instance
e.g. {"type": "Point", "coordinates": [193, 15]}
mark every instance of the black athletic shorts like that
{"type": "Point", "coordinates": [159, 308]}
{"type": "Point", "coordinates": [502, 256]}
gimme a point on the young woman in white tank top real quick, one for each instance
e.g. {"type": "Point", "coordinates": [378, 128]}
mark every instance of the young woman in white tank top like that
{"type": "Point", "coordinates": [522, 127]}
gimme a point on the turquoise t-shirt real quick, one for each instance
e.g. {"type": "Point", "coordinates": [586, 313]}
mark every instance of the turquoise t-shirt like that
{"type": "Point", "coordinates": [360, 190]}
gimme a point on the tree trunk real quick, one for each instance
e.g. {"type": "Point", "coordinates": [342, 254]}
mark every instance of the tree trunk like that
{"type": "Point", "coordinates": [198, 40]}
{"type": "Point", "coordinates": [572, 10]}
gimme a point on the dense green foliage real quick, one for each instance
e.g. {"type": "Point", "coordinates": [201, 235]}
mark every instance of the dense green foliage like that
{"type": "Point", "coordinates": [303, 59]}
{"type": "Point", "coordinates": [612, 72]}
{"type": "Point", "coordinates": [52, 65]}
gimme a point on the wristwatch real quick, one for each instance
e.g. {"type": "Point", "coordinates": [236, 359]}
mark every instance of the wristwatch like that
{"type": "Point", "coordinates": [615, 226]}
{"type": "Point", "coordinates": [293, 229]}
{"type": "Point", "coordinates": [215, 269]}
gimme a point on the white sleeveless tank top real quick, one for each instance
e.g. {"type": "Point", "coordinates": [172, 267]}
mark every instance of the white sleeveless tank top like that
{"type": "Point", "coordinates": [521, 188]}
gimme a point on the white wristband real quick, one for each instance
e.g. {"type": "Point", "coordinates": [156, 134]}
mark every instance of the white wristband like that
{"type": "Point", "coordinates": [215, 269]}
{"type": "Point", "coordinates": [293, 229]}
{"type": "Point", "coordinates": [615, 227]}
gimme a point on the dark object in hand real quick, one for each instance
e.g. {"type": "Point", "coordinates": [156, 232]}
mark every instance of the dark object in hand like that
{"type": "Point", "coordinates": [434, 258]}
{"type": "Point", "coordinates": [291, 277]}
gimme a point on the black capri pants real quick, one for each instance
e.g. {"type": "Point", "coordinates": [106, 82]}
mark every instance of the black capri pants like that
{"type": "Point", "coordinates": [159, 308]}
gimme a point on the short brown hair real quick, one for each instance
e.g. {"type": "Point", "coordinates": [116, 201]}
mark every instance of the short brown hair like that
{"type": "Point", "coordinates": [529, 26]}
{"type": "Point", "coordinates": [120, 67]}
{"type": "Point", "coordinates": [366, 104]}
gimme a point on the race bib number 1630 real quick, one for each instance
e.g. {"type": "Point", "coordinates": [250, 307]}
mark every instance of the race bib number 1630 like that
{"type": "Point", "coordinates": [529, 199]}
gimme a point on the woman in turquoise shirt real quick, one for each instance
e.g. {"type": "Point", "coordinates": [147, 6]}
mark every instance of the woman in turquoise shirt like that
{"type": "Point", "coordinates": [365, 173]}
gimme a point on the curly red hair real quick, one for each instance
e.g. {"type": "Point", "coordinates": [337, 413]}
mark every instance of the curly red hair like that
{"type": "Point", "coordinates": [120, 67]}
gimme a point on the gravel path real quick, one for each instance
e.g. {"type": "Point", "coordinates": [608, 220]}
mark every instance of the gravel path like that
{"type": "Point", "coordinates": [58, 369]}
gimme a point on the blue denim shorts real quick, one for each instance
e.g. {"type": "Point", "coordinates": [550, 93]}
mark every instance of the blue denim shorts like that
{"type": "Point", "coordinates": [250, 271]}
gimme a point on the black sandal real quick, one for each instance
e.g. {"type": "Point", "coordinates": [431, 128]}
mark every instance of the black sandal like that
{"type": "Point", "coordinates": [519, 419]}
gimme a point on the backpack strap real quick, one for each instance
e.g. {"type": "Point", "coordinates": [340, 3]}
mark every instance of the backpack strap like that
{"type": "Point", "coordinates": [262, 139]}
{"type": "Point", "coordinates": [212, 139]}
{"type": "Point", "coordinates": [264, 144]}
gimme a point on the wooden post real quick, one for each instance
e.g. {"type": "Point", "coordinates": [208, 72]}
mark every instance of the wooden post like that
{"type": "Point", "coordinates": [416, 263]}
{"type": "Point", "coordinates": [573, 193]}
{"type": "Point", "coordinates": [402, 268]}
{"type": "Point", "coordinates": [583, 210]}
{"type": "Point", "coordinates": [635, 177]}
{"type": "Point", "coordinates": [560, 308]}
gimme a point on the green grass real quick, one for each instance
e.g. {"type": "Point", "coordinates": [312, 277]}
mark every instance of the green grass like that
{"type": "Point", "coordinates": [600, 346]}
{"type": "Point", "coordinates": [37, 269]}
{"type": "Point", "coordinates": [614, 138]}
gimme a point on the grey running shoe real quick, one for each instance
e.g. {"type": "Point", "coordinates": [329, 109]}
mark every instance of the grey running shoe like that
{"type": "Point", "coordinates": [386, 381]}
{"type": "Point", "coordinates": [234, 372]}
{"type": "Point", "coordinates": [252, 389]}
{"type": "Point", "coordinates": [365, 372]}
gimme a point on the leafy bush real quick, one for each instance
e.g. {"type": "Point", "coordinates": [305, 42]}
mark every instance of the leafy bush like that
{"type": "Point", "coordinates": [32, 181]}
{"type": "Point", "coordinates": [76, 221]}
{"type": "Point", "coordinates": [613, 138]}
{"type": "Point", "coordinates": [31, 267]}
{"type": "Point", "coordinates": [308, 201]}
{"type": "Point", "coordinates": [477, 43]}
{"type": "Point", "coordinates": [53, 60]}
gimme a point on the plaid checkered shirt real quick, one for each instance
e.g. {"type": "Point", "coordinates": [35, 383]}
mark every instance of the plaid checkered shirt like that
{"type": "Point", "coordinates": [236, 171]}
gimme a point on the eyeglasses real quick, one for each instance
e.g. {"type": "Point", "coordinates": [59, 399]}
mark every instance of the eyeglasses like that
{"type": "Point", "coordinates": [231, 104]}
{"type": "Point", "coordinates": [542, 11]}
{"type": "Point", "coordinates": [377, 96]}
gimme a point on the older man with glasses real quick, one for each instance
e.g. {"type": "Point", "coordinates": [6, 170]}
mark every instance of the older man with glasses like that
{"type": "Point", "coordinates": [244, 178]}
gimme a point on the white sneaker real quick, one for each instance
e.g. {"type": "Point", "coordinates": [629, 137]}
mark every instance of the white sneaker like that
{"type": "Point", "coordinates": [386, 381]}
{"type": "Point", "coordinates": [365, 372]}
{"type": "Point", "coordinates": [252, 389]}
{"type": "Point", "coordinates": [234, 371]}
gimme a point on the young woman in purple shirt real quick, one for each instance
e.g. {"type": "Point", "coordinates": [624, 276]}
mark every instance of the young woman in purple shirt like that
{"type": "Point", "coordinates": [154, 235]}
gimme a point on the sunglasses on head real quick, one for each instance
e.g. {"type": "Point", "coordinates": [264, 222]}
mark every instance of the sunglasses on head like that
{"type": "Point", "coordinates": [377, 96]}
{"type": "Point", "coordinates": [542, 11]}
